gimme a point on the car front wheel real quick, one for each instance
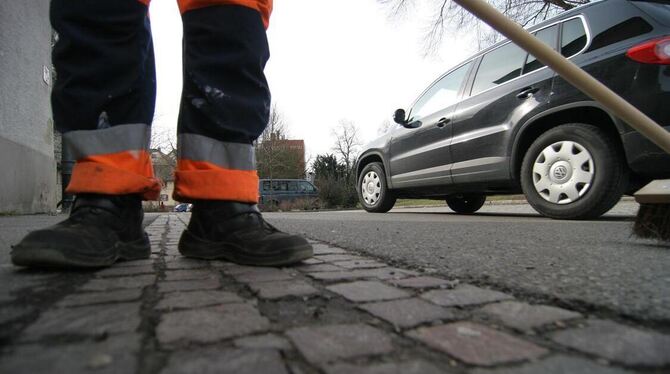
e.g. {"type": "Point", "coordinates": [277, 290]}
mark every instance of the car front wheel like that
{"type": "Point", "coordinates": [373, 192]}
{"type": "Point", "coordinates": [574, 171]}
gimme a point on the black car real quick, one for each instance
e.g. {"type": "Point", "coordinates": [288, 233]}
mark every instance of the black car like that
{"type": "Point", "coordinates": [502, 123]}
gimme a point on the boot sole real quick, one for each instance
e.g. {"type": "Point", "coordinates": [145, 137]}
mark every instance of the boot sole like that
{"type": "Point", "coordinates": [49, 257]}
{"type": "Point", "coordinates": [194, 247]}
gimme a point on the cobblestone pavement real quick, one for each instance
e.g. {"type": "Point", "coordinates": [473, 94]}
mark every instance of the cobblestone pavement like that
{"type": "Point", "coordinates": [339, 312]}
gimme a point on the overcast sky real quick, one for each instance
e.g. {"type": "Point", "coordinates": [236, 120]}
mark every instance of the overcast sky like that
{"type": "Point", "coordinates": [330, 60]}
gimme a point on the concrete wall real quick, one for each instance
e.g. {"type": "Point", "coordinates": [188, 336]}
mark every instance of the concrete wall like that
{"type": "Point", "coordinates": [27, 166]}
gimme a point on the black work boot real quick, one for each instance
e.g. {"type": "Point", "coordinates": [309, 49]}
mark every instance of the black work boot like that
{"type": "Point", "coordinates": [101, 229]}
{"type": "Point", "coordinates": [237, 232]}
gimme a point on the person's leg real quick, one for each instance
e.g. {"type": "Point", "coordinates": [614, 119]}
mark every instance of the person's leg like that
{"type": "Point", "coordinates": [103, 103]}
{"type": "Point", "coordinates": [225, 107]}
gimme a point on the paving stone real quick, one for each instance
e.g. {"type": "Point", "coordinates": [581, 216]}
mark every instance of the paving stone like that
{"type": "Point", "coordinates": [279, 289]}
{"type": "Point", "coordinates": [11, 312]}
{"type": "Point", "coordinates": [116, 271]}
{"type": "Point", "coordinates": [86, 320]}
{"type": "Point", "coordinates": [116, 354]}
{"type": "Point", "coordinates": [311, 261]}
{"type": "Point", "coordinates": [6, 296]}
{"type": "Point", "coordinates": [407, 312]}
{"type": "Point", "coordinates": [524, 316]}
{"type": "Point", "coordinates": [465, 295]}
{"type": "Point", "coordinates": [91, 298]}
{"type": "Point", "coordinates": [324, 344]}
{"type": "Point", "coordinates": [186, 263]}
{"type": "Point", "coordinates": [271, 341]}
{"type": "Point", "coordinates": [234, 269]}
{"type": "Point", "coordinates": [559, 364]}
{"type": "Point", "coordinates": [108, 284]}
{"type": "Point", "coordinates": [226, 361]}
{"type": "Point", "coordinates": [476, 344]}
{"type": "Point", "coordinates": [339, 257]}
{"type": "Point", "coordinates": [190, 274]}
{"type": "Point", "coordinates": [380, 273]}
{"type": "Point", "coordinates": [361, 291]}
{"type": "Point", "coordinates": [422, 282]}
{"type": "Point", "coordinates": [263, 275]}
{"type": "Point", "coordinates": [618, 343]}
{"type": "Point", "coordinates": [361, 264]}
{"type": "Point", "coordinates": [319, 267]}
{"type": "Point", "coordinates": [197, 299]}
{"type": "Point", "coordinates": [143, 262]}
{"type": "Point", "coordinates": [408, 367]}
{"type": "Point", "coordinates": [211, 324]}
{"type": "Point", "coordinates": [320, 249]}
{"type": "Point", "coordinates": [189, 285]}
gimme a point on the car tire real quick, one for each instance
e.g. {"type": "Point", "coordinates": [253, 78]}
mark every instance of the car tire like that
{"type": "Point", "coordinates": [466, 203]}
{"type": "Point", "coordinates": [574, 171]}
{"type": "Point", "coordinates": [373, 192]}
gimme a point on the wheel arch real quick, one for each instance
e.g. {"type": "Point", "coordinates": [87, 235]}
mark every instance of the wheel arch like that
{"type": "Point", "coordinates": [370, 157]}
{"type": "Point", "coordinates": [583, 112]}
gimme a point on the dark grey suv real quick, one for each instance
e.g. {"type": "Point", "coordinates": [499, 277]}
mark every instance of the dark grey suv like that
{"type": "Point", "coordinates": [502, 123]}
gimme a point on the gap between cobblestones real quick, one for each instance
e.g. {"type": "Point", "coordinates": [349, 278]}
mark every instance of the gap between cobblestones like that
{"type": "Point", "coordinates": [151, 358]}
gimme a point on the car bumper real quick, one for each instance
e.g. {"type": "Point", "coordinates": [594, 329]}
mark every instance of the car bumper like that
{"type": "Point", "coordinates": [646, 158]}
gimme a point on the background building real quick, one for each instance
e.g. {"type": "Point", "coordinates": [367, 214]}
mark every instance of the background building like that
{"type": "Point", "coordinates": [280, 158]}
{"type": "Point", "coordinates": [27, 166]}
{"type": "Point", "coordinates": [164, 166]}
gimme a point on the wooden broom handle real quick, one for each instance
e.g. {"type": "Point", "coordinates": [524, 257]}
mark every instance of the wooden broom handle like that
{"type": "Point", "coordinates": [570, 72]}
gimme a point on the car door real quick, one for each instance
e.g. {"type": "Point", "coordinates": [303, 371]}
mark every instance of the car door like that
{"type": "Point", "coordinates": [508, 85]}
{"type": "Point", "coordinates": [419, 156]}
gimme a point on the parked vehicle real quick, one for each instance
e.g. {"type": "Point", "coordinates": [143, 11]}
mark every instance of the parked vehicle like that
{"type": "Point", "coordinates": [183, 207]}
{"type": "Point", "coordinates": [276, 193]}
{"type": "Point", "coordinates": [502, 123]}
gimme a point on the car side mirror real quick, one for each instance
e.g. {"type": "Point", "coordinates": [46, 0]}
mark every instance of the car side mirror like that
{"type": "Point", "coordinates": [399, 118]}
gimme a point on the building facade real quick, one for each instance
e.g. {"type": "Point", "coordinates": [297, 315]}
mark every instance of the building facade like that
{"type": "Point", "coordinates": [28, 183]}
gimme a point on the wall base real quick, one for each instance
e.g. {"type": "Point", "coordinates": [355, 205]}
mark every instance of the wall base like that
{"type": "Point", "coordinates": [29, 181]}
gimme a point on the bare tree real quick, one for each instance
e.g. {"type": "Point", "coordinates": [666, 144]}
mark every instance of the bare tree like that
{"type": "Point", "coordinates": [347, 144]}
{"type": "Point", "coordinates": [384, 127]}
{"type": "Point", "coordinates": [450, 16]}
{"type": "Point", "coordinates": [165, 157]}
{"type": "Point", "coordinates": [164, 140]}
{"type": "Point", "coordinates": [267, 146]}
{"type": "Point", "coordinates": [274, 157]}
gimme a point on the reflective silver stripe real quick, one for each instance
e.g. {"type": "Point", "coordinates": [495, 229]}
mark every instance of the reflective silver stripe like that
{"type": "Point", "coordinates": [132, 137]}
{"type": "Point", "coordinates": [237, 156]}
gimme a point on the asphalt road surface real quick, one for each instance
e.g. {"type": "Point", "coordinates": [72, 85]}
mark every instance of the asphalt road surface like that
{"type": "Point", "coordinates": [595, 266]}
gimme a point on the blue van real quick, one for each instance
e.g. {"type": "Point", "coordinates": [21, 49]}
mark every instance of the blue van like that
{"type": "Point", "coordinates": [275, 193]}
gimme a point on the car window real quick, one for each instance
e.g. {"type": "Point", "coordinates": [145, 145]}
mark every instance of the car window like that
{"type": "Point", "coordinates": [306, 187]}
{"type": "Point", "coordinates": [293, 186]}
{"type": "Point", "coordinates": [548, 36]}
{"type": "Point", "coordinates": [627, 29]}
{"type": "Point", "coordinates": [266, 185]}
{"type": "Point", "coordinates": [279, 186]}
{"type": "Point", "coordinates": [573, 37]}
{"type": "Point", "coordinates": [657, 9]}
{"type": "Point", "coordinates": [442, 94]}
{"type": "Point", "coordinates": [499, 66]}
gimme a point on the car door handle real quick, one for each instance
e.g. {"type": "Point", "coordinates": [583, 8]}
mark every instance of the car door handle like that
{"type": "Point", "coordinates": [443, 122]}
{"type": "Point", "coordinates": [527, 92]}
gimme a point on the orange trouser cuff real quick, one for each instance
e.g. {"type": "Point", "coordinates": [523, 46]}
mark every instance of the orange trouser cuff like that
{"type": "Point", "coordinates": [201, 180]}
{"type": "Point", "coordinates": [93, 177]}
{"type": "Point", "coordinates": [264, 7]}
